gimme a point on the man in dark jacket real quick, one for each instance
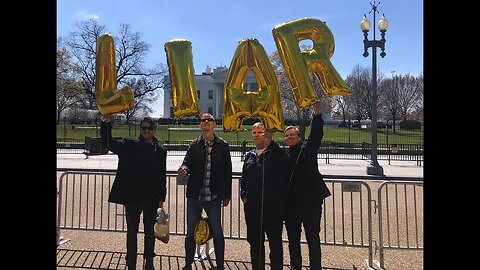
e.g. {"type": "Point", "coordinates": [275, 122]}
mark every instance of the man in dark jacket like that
{"type": "Point", "coordinates": [306, 192]}
{"type": "Point", "coordinates": [139, 185]}
{"type": "Point", "coordinates": [208, 166]}
{"type": "Point", "coordinates": [263, 189]}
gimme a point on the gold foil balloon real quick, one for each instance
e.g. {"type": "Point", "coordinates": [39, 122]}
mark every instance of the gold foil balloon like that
{"type": "Point", "coordinates": [298, 64]}
{"type": "Point", "coordinates": [182, 77]}
{"type": "Point", "coordinates": [265, 103]}
{"type": "Point", "coordinates": [108, 99]}
{"type": "Point", "coordinates": [202, 232]}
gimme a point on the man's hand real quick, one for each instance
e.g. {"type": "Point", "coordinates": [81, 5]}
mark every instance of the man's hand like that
{"type": "Point", "coordinates": [107, 118]}
{"type": "Point", "coordinates": [226, 201]}
{"type": "Point", "coordinates": [317, 108]}
{"type": "Point", "coordinates": [182, 171]}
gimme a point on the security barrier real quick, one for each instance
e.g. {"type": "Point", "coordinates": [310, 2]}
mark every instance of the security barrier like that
{"type": "Point", "coordinates": [346, 218]}
{"type": "Point", "coordinates": [400, 217]}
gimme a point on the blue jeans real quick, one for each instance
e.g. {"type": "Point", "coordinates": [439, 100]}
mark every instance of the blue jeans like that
{"type": "Point", "coordinates": [194, 212]}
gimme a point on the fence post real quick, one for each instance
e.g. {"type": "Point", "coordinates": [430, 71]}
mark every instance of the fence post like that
{"type": "Point", "coordinates": [327, 158]}
{"type": "Point", "coordinates": [58, 225]}
{"type": "Point", "coordinates": [243, 150]}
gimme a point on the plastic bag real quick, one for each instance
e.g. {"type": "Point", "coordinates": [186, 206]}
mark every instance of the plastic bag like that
{"type": "Point", "coordinates": [203, 233]}
{"type": "Point", "coordinates": [162, 226]}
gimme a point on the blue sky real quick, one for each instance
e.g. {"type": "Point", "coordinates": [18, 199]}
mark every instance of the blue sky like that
{"type": "Point", "coordinates": [215, 26]}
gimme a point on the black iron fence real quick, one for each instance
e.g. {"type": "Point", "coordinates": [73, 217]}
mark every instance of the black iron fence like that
{"type": "Point", "coordinates": [353, 132]}
{"type": "Point", "coordinates": [327, 151]}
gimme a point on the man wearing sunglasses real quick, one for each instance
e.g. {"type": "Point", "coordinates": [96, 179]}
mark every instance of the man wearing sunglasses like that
{"type": "Point", "coordinates": [139, 185]}
{"type": "Point", "coordinates": [208, 166]}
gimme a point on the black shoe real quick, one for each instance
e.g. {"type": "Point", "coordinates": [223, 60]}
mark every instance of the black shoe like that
{"type": "Point", "coordinates": [149, 264]}
{"type": "Point", "coordinates": [187, 268]}
{"type": "Point", "coordinates": [149, 267]}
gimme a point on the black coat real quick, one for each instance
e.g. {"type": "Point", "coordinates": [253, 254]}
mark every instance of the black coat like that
{"type": "Point", "coordinates": [141, 171]}
{"type": "Point", "coordinates": [307, 185]}
{"type": "Point", "coordinates": [271, 169]}
{"type": "Point", "coordinates": [220, 171]}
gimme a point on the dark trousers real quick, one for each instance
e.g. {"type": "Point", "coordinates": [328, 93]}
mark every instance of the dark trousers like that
{"type": "Point", "coordinates": [132, 213]}
{"type": "Point", "coordinates": [310, 217]}
{"type": "Point", "coordinates": [272, 226]}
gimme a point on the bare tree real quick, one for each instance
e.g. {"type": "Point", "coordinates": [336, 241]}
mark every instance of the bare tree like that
{"type": "Point", "coordinates": [410, 91]}
{"type": "Point", "coordinates": [390, 100]}
{"type": "Point", "coordinates": [359, 80]}
{"type": "Point", "coordinates": [130, 50]}
{"type": "Point", "coordinates": [418, 109]}
{"type": "Point", "coordinates": [343, 107]}
{"type": "Point", "coordinates": [67, 81]}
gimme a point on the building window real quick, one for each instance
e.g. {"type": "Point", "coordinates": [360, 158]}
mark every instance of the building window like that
{"type": "Point", "coordinates": [210, 110]}
{"type": "Point", "coordinates": [210, 94]}
{"type": "Point", "coordinates": [198, 93]}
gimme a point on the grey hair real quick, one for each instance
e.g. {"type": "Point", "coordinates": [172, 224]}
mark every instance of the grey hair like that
{"type": "Point", "coordinates": [292, 127]}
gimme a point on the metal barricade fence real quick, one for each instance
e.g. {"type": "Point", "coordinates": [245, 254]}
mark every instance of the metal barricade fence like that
{"type": "Point", "coordinates": [346, 218]}
{"type": "Point", "coordinates": [400, 217]}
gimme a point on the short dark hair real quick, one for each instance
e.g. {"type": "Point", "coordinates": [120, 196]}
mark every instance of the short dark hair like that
{"type": "Point", "coordinates": [150, 121]}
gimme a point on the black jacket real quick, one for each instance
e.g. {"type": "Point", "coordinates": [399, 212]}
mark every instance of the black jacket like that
{"type": "Point", "coordinates": [220, 171]}
{"type": "Point", "coordinates": [307, 185]}
{"type": "Point", "coordinates": [141, 171]}
{"type": "Point", "coordinates": [271, 169]}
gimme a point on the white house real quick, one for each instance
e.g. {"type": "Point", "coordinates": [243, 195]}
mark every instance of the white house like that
{"type": "Point", "coordinates": [210, 89]}
{"type": "Point", "coordinates": [210, 85]}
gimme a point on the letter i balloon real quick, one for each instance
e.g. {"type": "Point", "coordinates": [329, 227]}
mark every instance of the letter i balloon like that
{"type": "Point", "coordinates": [182, 77]}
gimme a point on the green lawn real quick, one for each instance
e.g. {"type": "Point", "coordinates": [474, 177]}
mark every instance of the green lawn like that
{"type": "Point", "coordinates": [332, 134]}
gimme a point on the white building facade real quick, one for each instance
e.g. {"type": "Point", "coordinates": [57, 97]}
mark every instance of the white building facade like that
{"type": "Point", "coordinates": [210, 89]}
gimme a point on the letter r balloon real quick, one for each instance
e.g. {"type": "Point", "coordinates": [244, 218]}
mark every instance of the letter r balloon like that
{"type": "Point", "coordinates": [298, 63]}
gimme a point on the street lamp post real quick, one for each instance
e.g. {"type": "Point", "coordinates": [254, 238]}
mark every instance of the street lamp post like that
{"type": "Point", "coordinates": [374, 168]}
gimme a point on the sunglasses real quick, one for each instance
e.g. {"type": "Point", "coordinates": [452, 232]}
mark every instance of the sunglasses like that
{"type": "Point", "coordinates": [147, 128]}
{"type": "Point", "coordinates": [207, 120]}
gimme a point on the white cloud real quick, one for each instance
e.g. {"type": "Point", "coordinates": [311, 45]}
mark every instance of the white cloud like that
{"type": "Point", "coordinates": [84, 15]}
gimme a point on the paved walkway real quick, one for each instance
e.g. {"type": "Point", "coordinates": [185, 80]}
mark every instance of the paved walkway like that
{"type": "Point", "coordinates": [89, 259]}
{"type": "Point", "coordinates": [336, 166]}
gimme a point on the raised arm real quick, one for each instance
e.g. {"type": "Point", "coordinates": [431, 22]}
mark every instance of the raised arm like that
{"type": "Point", "coordinates": [106, 135]}
{"type": "Point", "coordinates": [316, 130]}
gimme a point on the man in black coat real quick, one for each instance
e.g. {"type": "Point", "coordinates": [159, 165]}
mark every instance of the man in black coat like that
{"type": "Point", "coordinates": [306, 191]}
{"type": "Point", "coordinates": [263, 189]}
{"type": "Point", "coordinates": [208, 166]}
{"type": "Point", "coordinates": [139, 185]}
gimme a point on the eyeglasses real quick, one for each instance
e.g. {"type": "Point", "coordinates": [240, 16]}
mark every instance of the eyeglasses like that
{"type": "Point", "coordinates": [147, 128]}
{"type": "Point", "coordinates": [207, 120]}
